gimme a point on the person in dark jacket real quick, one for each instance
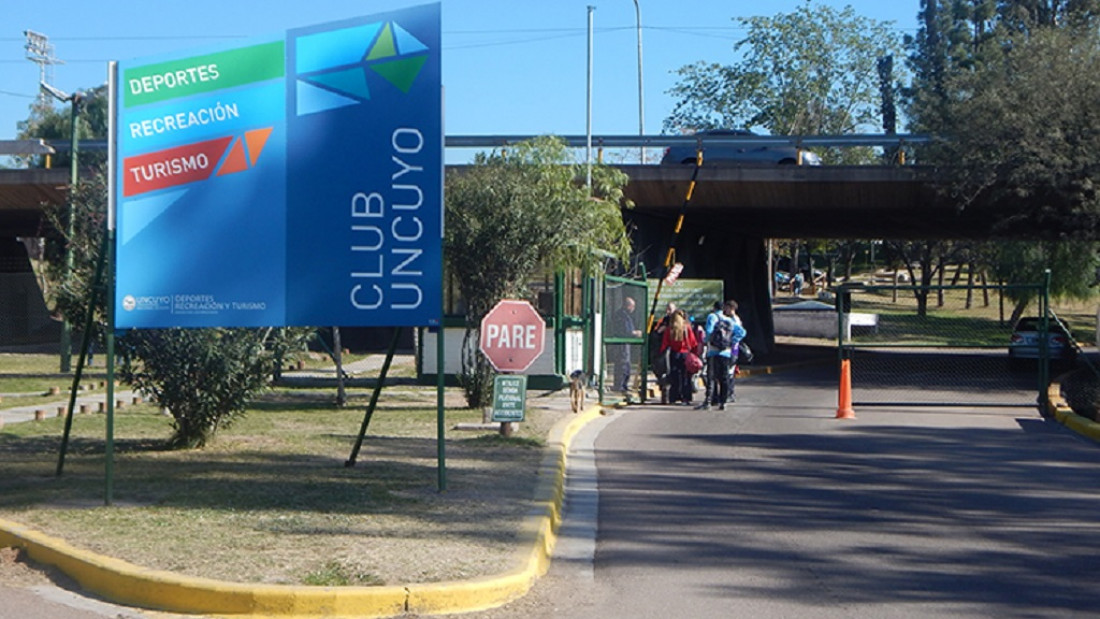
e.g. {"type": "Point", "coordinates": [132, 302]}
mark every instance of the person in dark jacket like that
{"type": "Point", "coordinates": [622, 325]}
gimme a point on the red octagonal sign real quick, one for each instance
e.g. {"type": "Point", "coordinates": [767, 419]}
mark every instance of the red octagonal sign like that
{"type": "Point", "coordinates": [512, 335]}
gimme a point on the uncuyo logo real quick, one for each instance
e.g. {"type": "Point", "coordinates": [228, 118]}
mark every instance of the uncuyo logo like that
{"type": "Point", "coordinates": [352, 66]}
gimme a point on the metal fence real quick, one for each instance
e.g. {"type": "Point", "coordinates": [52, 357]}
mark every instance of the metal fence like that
{"type": "Point", "coordinates": [937, 346]}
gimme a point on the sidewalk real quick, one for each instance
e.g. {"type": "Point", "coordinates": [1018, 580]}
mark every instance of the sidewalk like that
{"type": "Point", "coordinates": [88, 403]}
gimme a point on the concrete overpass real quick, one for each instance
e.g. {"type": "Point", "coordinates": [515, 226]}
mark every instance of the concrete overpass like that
{"type": "Point", "coordinates": [769, 201]}
{"type": "Point", "coordinates": [778, 202]}
{"type": "Point", "coordinates": [732, 211]}
{"type": "Point", "coordinates": [22, 194]}
{"type": "Point", "coordinates": [872, 202]}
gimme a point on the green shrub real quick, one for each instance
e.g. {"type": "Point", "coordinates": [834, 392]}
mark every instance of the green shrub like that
{"type": "Point", "coordinates": [204, 377]}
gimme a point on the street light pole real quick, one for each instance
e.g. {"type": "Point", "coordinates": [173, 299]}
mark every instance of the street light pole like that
{"type": "Point", "coordinates": [66, 343]}
{"type": "Point", "coordinates": [588, 106]}
{"type": "Point", "coordinates": [641, 100]}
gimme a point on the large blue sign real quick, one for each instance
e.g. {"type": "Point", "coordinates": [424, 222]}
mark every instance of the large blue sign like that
{"type": "Point", "coordinates": [294, 180]}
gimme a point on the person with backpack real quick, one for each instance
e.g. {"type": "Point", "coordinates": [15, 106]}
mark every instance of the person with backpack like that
{"type": "Point", "coordinates": [723, 335]}
{"type": "Point", "coordinates": [679, 340]}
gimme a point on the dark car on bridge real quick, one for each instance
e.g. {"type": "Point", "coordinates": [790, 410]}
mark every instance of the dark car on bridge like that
{"type": "Point", "coordinates": [746, 154]}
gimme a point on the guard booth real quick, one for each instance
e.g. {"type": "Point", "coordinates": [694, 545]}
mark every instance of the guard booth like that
{"type": "Point", "coordinates": [625, 345]}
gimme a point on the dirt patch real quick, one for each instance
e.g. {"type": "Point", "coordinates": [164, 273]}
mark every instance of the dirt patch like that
{"type": "Point", "coordinates": [16, 571]}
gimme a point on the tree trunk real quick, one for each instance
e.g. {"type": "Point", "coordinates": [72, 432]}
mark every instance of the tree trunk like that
{"type": "Point", "coordinates": [476, 378]}
{"type": "Point", "coordinates": [969, 285]}
{"type": "Point", "coordinates": [921, 295]}
{"type": "Point", "coordinates": [1018, 311]}
{"type": "Point", "coordinates": [338, 354]}
{"type": "Point", "coordinates": [939, 279]}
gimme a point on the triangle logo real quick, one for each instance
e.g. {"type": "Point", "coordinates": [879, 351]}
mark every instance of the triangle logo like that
{"type": "Point", "coordinates": [327, 81]}
{"type": "Point", "coordinates": [141, 212]}
{"type": "Point", "coordinates": [312, 99]}
{"type": "Point", "coordinates": [347, 82]}
{"type": "Point", "coordinates": [235, 161]}
{"type": "Point", "coordinates": [384, 46]}
{"type": "Point", "coordinates": [401, 73]}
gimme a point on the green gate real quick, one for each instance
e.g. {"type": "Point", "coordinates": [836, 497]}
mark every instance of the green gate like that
{"type": "Point", "coordinates": [940, 345]}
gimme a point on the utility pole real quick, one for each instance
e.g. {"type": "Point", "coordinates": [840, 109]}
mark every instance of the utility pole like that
{"type": "Point", "coordinates": [588, 105]}
{"type": "Point", "coordinates": [74, 100]}
{"type": "Point", "coordinates": [641, 97]}
{"type": "Point", "coordinates": [40, 51]}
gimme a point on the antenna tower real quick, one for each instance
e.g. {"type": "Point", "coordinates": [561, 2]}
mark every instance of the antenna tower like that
{"type": "Point", "coordinates": [40, 52]}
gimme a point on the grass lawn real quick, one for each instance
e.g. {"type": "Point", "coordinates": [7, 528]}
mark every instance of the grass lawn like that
{"type": "Point", "coordinates": [32, 375]}
{"type": "Point", "coordinates": [955, 323]}
{"type": "Point", "coordinates": [269, 499]}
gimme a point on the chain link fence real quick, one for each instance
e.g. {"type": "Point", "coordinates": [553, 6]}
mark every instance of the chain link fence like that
{"type": "Point", "coordinates": [939, 346]}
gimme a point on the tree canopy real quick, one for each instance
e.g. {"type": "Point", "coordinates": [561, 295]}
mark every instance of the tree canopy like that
{"type": "Point", "coordinates": [511, 213]}
{"type": "Point", "coordinates": [52, 123]}
{"type": "Point", "coordinates": [1016, 108]}
{"type": "Point", "coordinates": [514, 213]}
{"type": "Point", "coordinates": [811, 71]}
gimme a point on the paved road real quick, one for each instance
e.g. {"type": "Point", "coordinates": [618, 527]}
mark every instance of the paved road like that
{"type": "Point", "coordinates": [51, 602]}
{"type": "Point", "coordinates": [777, 509]}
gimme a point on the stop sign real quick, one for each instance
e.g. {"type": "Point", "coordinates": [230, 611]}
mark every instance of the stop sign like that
{"type": "Point", "coordinates": [512, 335]}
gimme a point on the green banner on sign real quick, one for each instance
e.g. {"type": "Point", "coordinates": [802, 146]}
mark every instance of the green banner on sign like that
{"type": "Point", "coordinates": [509, 397]}
{"type": "Point", "coordinates": [201, 74]}
{"type": "Point", "coordinates": [695, 296]}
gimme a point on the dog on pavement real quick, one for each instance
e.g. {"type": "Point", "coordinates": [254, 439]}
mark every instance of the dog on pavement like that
{"type": "Point", "coordinates": [577, 382]}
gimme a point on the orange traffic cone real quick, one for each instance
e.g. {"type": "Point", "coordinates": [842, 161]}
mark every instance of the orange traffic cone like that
{"type": "Point", "coordinates": [844, 399]}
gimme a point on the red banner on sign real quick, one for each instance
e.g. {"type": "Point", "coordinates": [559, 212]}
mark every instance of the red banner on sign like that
{"type": "Point", "coordinates": [175, 166]}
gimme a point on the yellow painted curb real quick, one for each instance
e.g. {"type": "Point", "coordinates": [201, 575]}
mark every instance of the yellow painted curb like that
{"type": "Point", "coordinates": [125, 583]}
{"type": "Point", "coordinates": [1057, 407]}
{"type": "Point", "coordinates": [537, 538]}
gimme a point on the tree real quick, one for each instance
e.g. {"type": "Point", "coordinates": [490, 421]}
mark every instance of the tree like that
{"type": "Point", "coordinates": [70, 296]}
{"type": "Point", "coordinates": [1011, 88]}
{"type": "Point", "coordinates": [812, 71]}
{"type": "Point", "coordinates": [816, 70]}
{"type": "Point", "coordinates": [1072, 265]}
{"type": "Point", "coordinates": [52, 124]}
{"type": "Point", "coordinates": [1023, 132]}
{"type": "Point", "coordinates": [929, 257]}
{"type": "Point", "coordinates": [1024, 15]}
{"type": "Point", "coordinates": [512, 213]}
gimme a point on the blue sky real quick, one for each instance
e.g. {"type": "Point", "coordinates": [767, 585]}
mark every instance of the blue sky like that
{"type": "Point", "coordinates": [510, 66]}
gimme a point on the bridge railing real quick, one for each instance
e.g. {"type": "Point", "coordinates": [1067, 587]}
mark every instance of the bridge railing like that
{"type": "Point", "coordinates": [635, 141]}
{"type": "Point", "coordinates": [882, 140]}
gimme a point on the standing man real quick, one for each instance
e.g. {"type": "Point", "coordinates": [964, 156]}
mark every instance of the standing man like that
{"type": "Point", "coordinates": [622, 325]}
{"type": "Point", "coordinates": [724, 333]}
